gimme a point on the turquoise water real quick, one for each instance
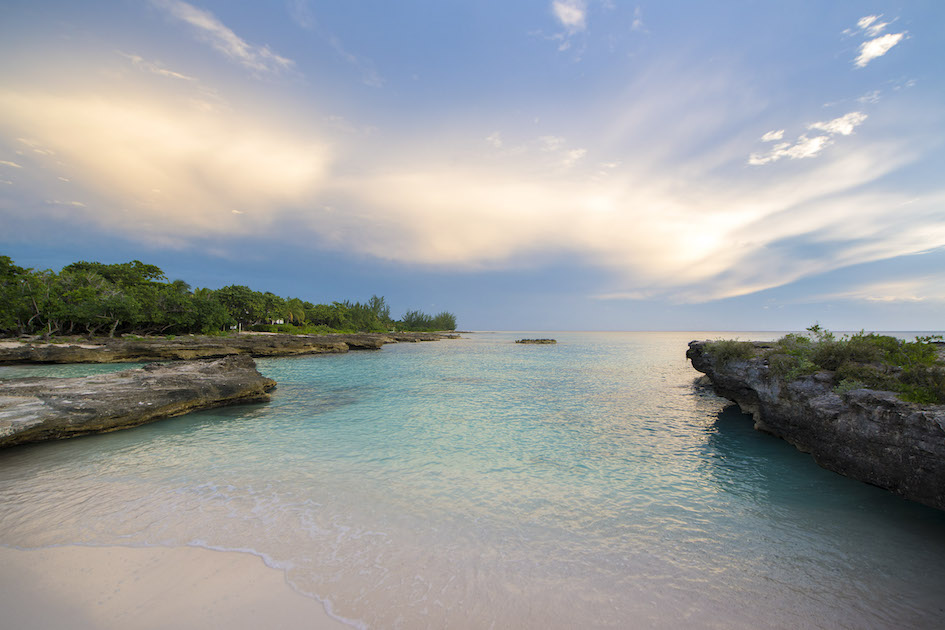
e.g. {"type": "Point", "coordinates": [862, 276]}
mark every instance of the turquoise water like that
{"type": "Point", "coordinates": [478, 483]}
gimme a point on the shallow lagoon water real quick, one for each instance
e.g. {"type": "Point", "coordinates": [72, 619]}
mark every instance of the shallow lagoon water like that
{"type": "Point", "coordinates": [478, 483]}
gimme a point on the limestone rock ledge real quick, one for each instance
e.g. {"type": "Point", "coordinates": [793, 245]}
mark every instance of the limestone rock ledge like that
{"type": "Point", "coordinates": [872, 436]}
{"type": "Point", "coordinates": [35, 409]}
{"type": "Point", "coordinates": [185, 347]}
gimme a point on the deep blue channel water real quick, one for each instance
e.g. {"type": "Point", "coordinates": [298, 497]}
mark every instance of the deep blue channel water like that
{"type": "Point", "coordinates": [478, 483]}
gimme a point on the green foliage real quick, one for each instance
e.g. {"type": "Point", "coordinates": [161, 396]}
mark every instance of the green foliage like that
{"type": "Point", "coordinates": [912, 369]}
{"type": "Point", "coordinates": [93, 298]}
{"type": "Point", "coordinates": [727, 350]}
{"type": "Point", "coordinates": [923, 384]}
{"type": "Point", "coordinates": [420, 321]}
{"type": "Point", "coordinates": [848, 385]}
{"type": "Point", "coordinates": [790, 366]}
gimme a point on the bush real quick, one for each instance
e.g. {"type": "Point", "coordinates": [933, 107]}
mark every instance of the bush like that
{"type": "Point", "coordinates": [912, 369]}
{"type": "Point", "coordinates": [727, 350]}
{"type": "Point", "coordinates": [924, 384]}
{"type": "Point", "coordinates": [790, 367]}
{"type": "Point", "coordinates": [848, 385]}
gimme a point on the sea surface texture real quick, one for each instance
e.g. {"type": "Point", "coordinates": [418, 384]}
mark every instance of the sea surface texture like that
{"type": "Point", "coordinates": [480, 483]}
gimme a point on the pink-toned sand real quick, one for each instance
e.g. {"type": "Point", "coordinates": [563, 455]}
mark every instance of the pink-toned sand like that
{"type": "Point", "coordinates": [106, 588]}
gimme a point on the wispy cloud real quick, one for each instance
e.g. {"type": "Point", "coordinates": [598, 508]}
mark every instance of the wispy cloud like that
{"type": "Point", "coordinates": [369, 75]}
{"type": "Point", "coordinates": [843, 125]}
{"type": "Point", "coordinates": [301, 14]}
{"type": "Point", "coordinates": [637, 24]}
{"type": "Point", "coordinates": [155, 68]}
{"type": "Point", "coordinates": [259, 59]}
{"type": "Point", "coordinates": [926, 288]}
{"type": "Point", "coordinates": [805, 147]}
{"type": "Point", "coordinates": [870, 97]}
{"type": "Point", "coordinates": [879, 45]}
{"type": "Point", "coordinates": [871, 25]}
{"type": "Point", "coordinates": [10, 164]}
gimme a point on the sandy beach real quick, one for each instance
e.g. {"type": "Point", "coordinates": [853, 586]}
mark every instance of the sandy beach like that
{"type": "Point", "coordinates": [105, 588]}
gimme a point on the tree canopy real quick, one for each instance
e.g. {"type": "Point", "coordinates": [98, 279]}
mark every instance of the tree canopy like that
{"type": "Point", "coordinates": [93, 298]}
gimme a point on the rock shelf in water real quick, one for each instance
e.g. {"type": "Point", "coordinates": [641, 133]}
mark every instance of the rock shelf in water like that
{"type": "Point", "coordinates": [868, 435]}
{"type": "Point", "coordinates": [134, 349]}
{"type": "Point", "coordinates": [537, 341]}
{"type": "Point", "coordinates": [36, 409]}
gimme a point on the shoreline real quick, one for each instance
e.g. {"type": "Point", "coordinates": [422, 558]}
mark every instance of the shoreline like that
{"type": "Point", "coordinates": [186, 347]}
{"type": "Point", "coordinates": [114, 588]}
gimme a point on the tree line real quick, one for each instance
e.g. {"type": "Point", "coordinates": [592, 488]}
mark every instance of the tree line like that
{"type": "Point", "coordinates": [92, 298]}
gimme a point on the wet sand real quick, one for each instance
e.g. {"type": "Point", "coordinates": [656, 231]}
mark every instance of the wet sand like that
{"type": "Point", "coordinates": [106, 588]}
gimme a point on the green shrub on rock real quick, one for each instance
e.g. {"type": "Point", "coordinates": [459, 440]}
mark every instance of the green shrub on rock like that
{"type": "Point", "coordinates": [728, 350]}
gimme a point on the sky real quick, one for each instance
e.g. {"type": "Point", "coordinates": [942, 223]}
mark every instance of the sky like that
{"type": "Point", "coordinates": [534, 165]}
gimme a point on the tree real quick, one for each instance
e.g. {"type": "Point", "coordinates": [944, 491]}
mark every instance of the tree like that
{"type": "Point", "coordinates": [123, 274]}
{"type": "Point", "coordinates": [295, 311]}
{"type": "Point", "coordinates": [244, 306]}
{"type": "Point", "coordinates": [14, 306]}
{"type": "Point", "coordinates": [273, 308]}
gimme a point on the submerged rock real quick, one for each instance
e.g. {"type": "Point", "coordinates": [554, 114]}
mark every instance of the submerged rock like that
{"type": "Point", "coordinates": [537, 341]}
{"type": "Point", "coordinates": [35, 409]}
{"type": "Point", "coordinates": [868, 435]}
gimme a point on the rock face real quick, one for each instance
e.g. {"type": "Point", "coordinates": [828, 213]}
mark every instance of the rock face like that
{"type": "Point", "coordinates": [35, 409]}
{"type": "Point", "coordinates": [127, 350]}
{"type": "Point", "coordinates": [868, 435]}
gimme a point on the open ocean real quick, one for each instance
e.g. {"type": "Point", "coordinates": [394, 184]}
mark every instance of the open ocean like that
{"type": "Point", "coordinates": [477, 483]}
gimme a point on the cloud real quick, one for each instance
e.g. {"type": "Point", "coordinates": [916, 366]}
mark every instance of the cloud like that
{"type": "Point", "coordinates": [551, 143]}
{"type": "Point", "coordinates": [10, 164]}
{"type": "Point", "coordinates": [805, 147]}
{"type": "Point", "coordinates": [870, 25]}
{"type": "Point", "coordinates": [155, 68]}
{"type": "Point", "coordinates": [494, 139]}
{"type": "Point", "coordinates": [369, 75]}
{"type": "Point", "coordinates": [147, 165]}
{"type": "Point", "coordinates": [927, 288]}
{"type": "Point", "coordinates": [301, 13]}
{"type": "Point", "coordinates": [573, 156]}
{"type": "Point", "coordinates": [259, 59]}
{"type": "Point", "coordinates": [571, 13]}
{"type": "Point", "coordinates": [637, 20]}
{"type": "Point", "coordinates": [843, 125]}
{"type": "Point", "coordinates": [877, 48]}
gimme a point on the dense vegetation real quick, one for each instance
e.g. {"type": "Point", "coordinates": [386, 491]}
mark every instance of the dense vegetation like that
{"type": "Point", "coordinates": [91, 298]}
{"type": "Point", "coordinates": [914, 369]}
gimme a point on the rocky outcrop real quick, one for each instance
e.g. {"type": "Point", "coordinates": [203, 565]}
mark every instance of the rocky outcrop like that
{"type": "Point", "coordinates": [133, 349]}
{"type": "Point", "coordinates": [537, 341]}
{"type": "Point", "coordinates": [35, 409]}
{"type": "Point", "coordinates": [869, 435]}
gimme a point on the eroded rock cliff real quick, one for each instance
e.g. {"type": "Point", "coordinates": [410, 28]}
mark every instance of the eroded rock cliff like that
{"type": "Point", "coordinates": [869, 435]}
